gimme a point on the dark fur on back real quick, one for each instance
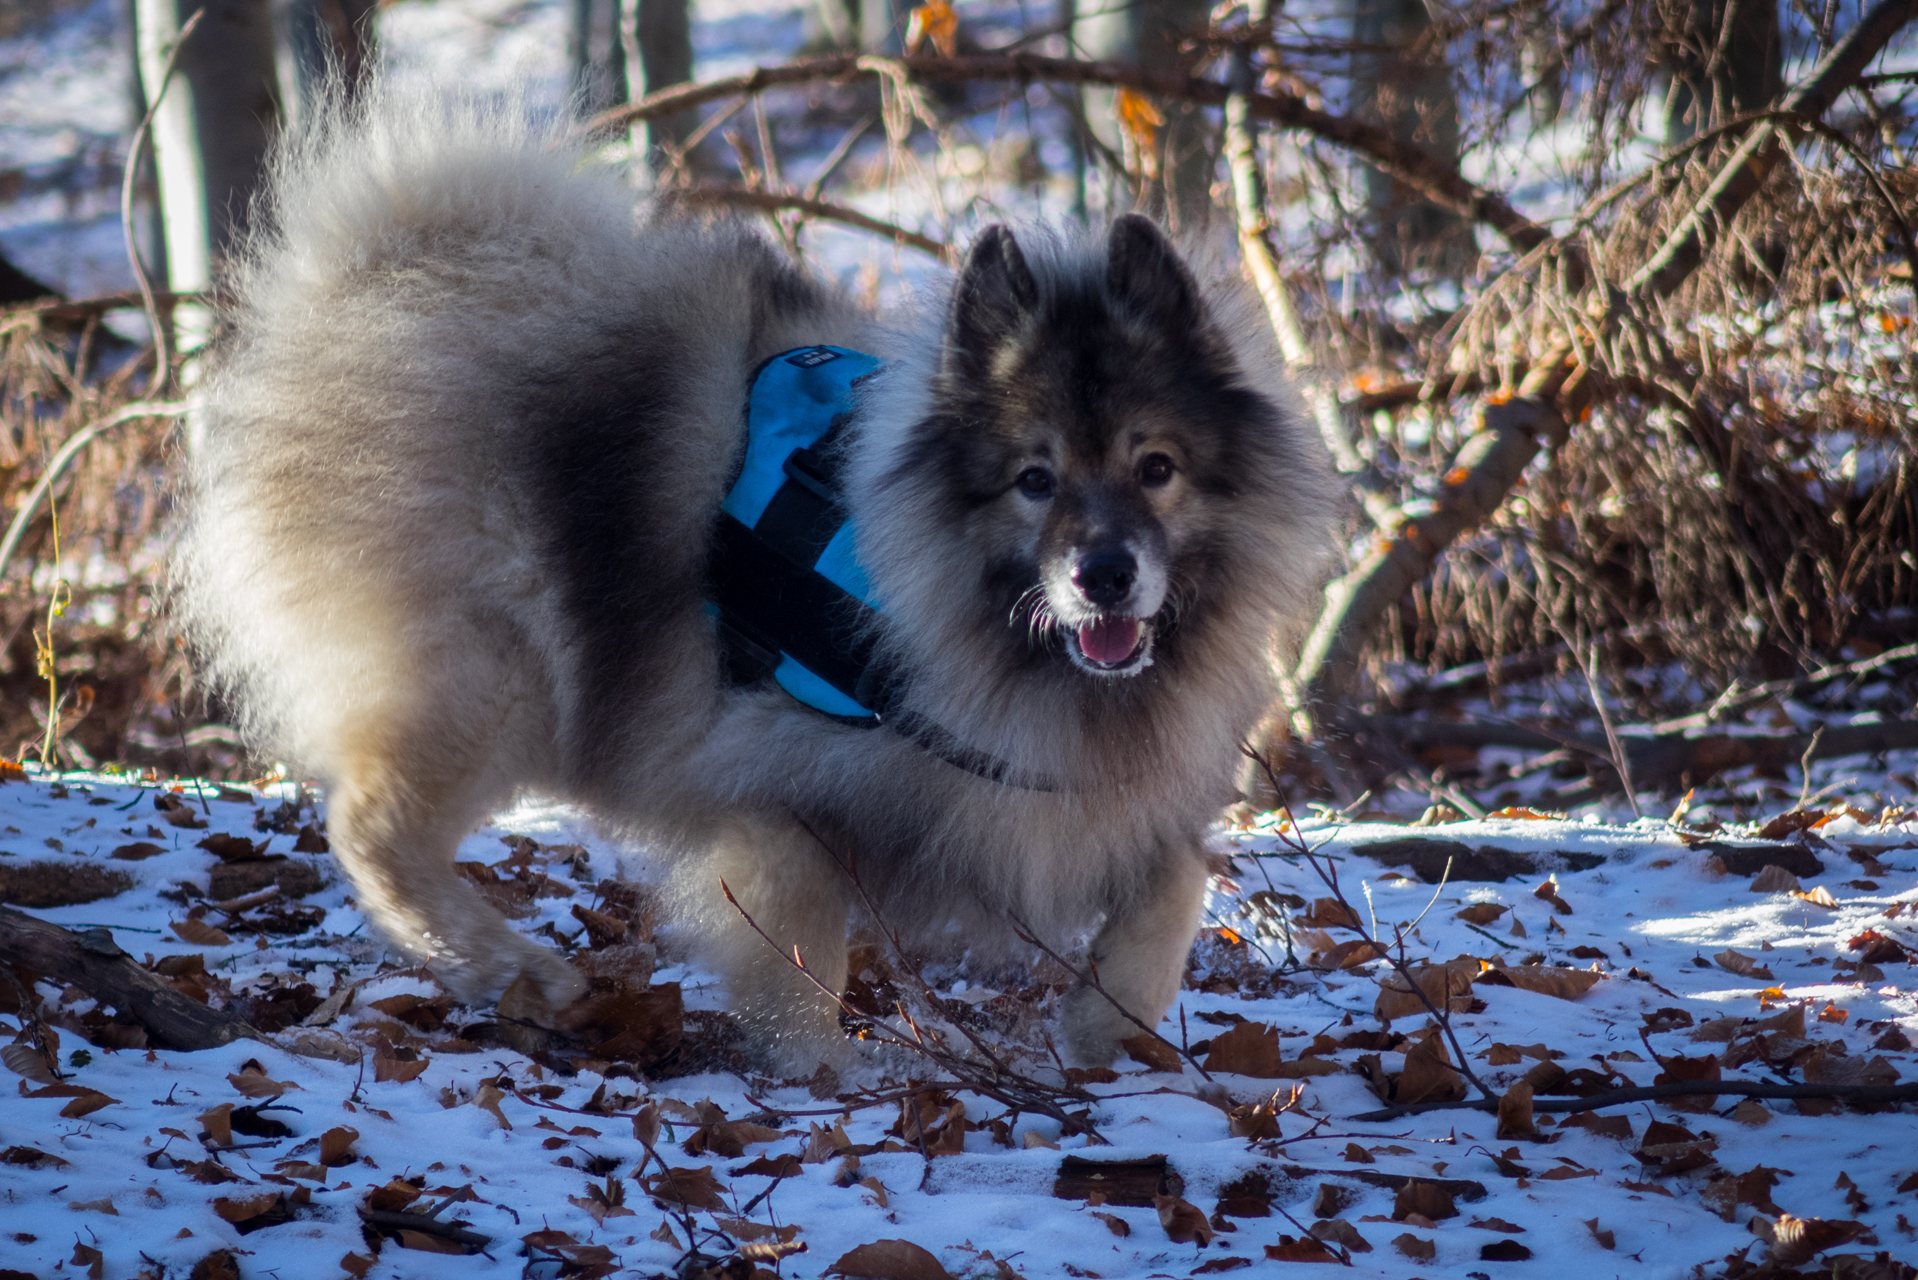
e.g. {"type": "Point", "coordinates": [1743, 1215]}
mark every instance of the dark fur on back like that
{"type": "Point", "coordinates": [450, 526]}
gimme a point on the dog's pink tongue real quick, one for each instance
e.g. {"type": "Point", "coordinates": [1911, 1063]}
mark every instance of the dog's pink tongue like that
{"type": "Point", "coordinates": [1109, 641]}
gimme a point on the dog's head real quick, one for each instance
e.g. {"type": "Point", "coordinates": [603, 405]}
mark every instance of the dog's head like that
{"type": "Point", "coordinates": [1091, 435]}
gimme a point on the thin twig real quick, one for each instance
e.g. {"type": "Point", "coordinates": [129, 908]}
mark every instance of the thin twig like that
{"type": "Point", "coordinates": [781, 202]}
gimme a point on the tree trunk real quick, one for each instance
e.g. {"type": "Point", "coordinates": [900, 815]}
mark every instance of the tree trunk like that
{"type": "Point", "coordinates": [329, 38]}
{"type": "Point", "coordinates": [1728, 59]}
{"type": "Point", "coordinates": [595, 41]}
{"type": "Point", "coordinates": [659, 43]}
{"type": "Point", "coordinates": [1405, 87]}
{"type": "Point", "coordinates": [1146, 34]}
{"type": "Point", "coordinates": [215, 123]}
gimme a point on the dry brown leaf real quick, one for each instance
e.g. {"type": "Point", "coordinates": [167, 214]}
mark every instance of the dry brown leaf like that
{"type": "Point", "coordinates": [1183, 1221]}
{"type": "Point", "coordinates": [1678, 1070]}
{"type": "Point", "coordinates": [1818, 897]}
{"type": "Point", "coordinates": [336, 1146]}
{"type": "Point", "coordinates": [92, 1100]}
{"type": "Point", "coordinates": [253, 1082]}
{"type": "Point", "coordinates": [1515, 1113]}
{"type": "Point", "coordinates": [91, 1258]}
{"type": "Point", "coordinates": [94, 1206]}
{"type": "Point", "coordinates": [1742, 965]}
{"type": "Point", "coordinates": [823, 1144]}
{"type": "Point", "coordinates": [1497, 1224]}
{"type": "Point", "coordinates": [1114, 1223]}
{"type": "Point", "coordinates": [1248, 1049]}
{"type": "Point", "coordinates": [1446, 986]}
{"type": "Point", "coordinates": [1775, 879]}
{"type": "Point", "coordinates": [1414, 1248]}
{"type": "Point", "coordinates": [242, 1208]}
{"type": "Point", "coordinates": [1427, 1199]}
{"type": "Point", "coordinates": [889, 1260]}
{"type": "Point", "coordinates": [1350, 955]}
{"type": "Point", "coordinates": [218, 1122]}
{"type": "Point", "coordinates": [1329, 913]}
{"type": "Point", "coordinates": [1355, 1154]}
{"type": "Point", "coordinates": [1429, 1075]}
{"type": "Point", "coordinates": [1548, 892]}
{"type": "Point", "coordinates": [422, 1242]}
{"type": "Point", "coordinates": [1482, 913]}
{"type": "Point", "coordinates": [399, 1065]}
{"type": "Point", "coordinates": [646, 1125]}
{"type": "Point", "coordinates": [1152, 1052]}
{"type": "Point", "coordinates": [488, 1099]}
{"type": "Point", "coordinates": [1298, 1249]}
{"type": "Point", "coordinates": [1339, 1231]}
{"type": "Point", "coordinates": [25, 1060]}
{"type": "Point", "coordinates": [1751, 1113]}
{"type": "Point", "coordinates": [1607, 1239]}
{"type": "Point", "coordinates": [1542, 979]}
{"type": "Point", "coordinates": [695, 1188]}
{"type": "Point", "coordinates": [200, 933]}
{"type": "Point", "coordinates": [604, 1202]}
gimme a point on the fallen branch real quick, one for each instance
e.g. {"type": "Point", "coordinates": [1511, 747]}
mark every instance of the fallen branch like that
{"type": "Point", "coordinates": [1418, 168]}
{"type": "Point", "coordinates": [471, 1241]}
{"type": "Point", "coordinates": [75, 310]}
{"type": "Point", "coordinates": [783, 202]}
{"type": "Point", "coordinates": [1870, 1093]}
{"type": "Point", "coordinates": [92, 962]}
{"type": "Point", "coordinates": [1665, 755]}
{"type": "Point", "coordinates": [1736, 697]}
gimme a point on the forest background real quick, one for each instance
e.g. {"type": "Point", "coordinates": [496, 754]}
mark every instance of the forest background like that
{"type": "Point", "coordinates": [1603, 310]}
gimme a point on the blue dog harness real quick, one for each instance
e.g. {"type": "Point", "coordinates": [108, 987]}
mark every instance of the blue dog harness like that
{"type": "Point", "coordinates": [793, 603]}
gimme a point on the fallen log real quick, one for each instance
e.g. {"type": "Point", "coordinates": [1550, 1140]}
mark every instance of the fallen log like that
{"type": "Point", "coordinates": [1655, 756]}
{"type": "Point", "coordinates": [1871, 1093]}
{"type": "Point", "coordinates": [90, 960]}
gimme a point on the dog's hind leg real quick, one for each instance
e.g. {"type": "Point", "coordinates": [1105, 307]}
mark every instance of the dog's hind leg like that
{"type": "Point", "coordinates": [1140, 954]}
{"type": "Point", "coordinates": [395, 819]}
{"type": "Point", "coordinates": [800, 897]}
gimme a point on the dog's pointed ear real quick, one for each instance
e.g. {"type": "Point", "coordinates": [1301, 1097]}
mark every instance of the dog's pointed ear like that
{"type": "Point", "coordinates": [994, 294]}
{"type": "Point", "coordinates": [1143, 269]}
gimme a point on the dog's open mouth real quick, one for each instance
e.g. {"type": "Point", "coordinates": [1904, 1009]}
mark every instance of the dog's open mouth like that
{"type": "Point", "coordinates": [1111, 645]}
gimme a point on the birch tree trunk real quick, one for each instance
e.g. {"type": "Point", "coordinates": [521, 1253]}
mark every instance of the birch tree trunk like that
{"type": "Point", "coordinates": [216, 120]}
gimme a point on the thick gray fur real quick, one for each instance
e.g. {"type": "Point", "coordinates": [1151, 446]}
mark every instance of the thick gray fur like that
{"type": "Point", "coordinates": [449, 523]}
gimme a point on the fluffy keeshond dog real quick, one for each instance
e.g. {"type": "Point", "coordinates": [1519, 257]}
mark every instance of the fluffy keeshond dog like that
{"type": "Point", "coordinates": [455, 532]}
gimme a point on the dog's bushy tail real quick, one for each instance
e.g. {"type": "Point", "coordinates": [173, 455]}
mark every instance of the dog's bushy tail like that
{"type": "Point", "coordinates": [420, 263]}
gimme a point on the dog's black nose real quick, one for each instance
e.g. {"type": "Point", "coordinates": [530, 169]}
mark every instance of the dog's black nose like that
{"type": "Point", "coordinates": [1105, 577]}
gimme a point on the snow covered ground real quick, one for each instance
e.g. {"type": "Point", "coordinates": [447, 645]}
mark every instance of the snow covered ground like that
{"type": "Point", "coordinates": [142, 1160]}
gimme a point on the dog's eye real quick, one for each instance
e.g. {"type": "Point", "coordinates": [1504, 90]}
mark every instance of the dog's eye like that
{"type": "Point", "coordinates": [1035, 482]}
{"type": "Point", "coordinates": [1154, 470]}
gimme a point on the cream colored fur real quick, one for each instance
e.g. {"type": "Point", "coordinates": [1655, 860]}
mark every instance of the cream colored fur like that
{"type": "Point", "coordinates": [369, 573]}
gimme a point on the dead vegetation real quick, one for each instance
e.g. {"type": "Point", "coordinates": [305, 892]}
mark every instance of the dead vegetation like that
{"type": "Point", "coordinates": [1654, 452]}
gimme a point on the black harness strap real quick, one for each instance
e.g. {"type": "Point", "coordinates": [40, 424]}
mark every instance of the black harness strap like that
{"type": "Point", "coordinates": [773, 604]}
